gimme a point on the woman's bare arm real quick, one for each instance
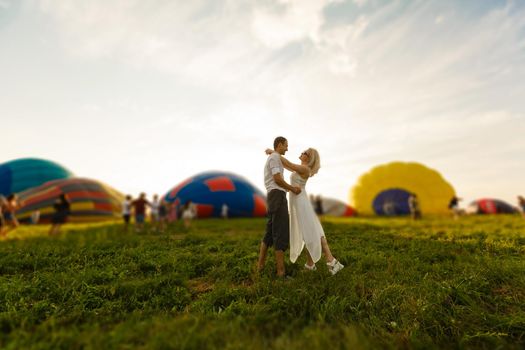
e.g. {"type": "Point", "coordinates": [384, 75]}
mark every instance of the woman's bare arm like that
{"type": "Point", "coordinates": [300, 169]}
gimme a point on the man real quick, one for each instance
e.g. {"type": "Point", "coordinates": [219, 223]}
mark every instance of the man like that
{"type": "Point", "coordinates": [413, 205]}
{"type": "Point", "coordinates": [277, 227]}
{"type": "Point", "coordinates": [453, 206]}
{"type": "Point", "coordinates": [126, 211]}
{"type": "Point", "coordinates": [521, 203]}
{"type": "Point", "coordinates": [154, 209]}
{"type": "Point", "coordinates": [319, 205]}
{"type": "Point", "coordinates": [139, 205]}
{"type": "Point", "coordinates": [3, 204]}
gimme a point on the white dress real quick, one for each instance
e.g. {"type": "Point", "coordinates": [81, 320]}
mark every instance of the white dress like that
{"type": "Point", "coordinates": [305, 228]}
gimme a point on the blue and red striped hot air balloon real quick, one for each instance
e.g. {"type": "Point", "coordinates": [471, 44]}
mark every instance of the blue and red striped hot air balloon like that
{"type": "Point", "coordinates": [91, 201]}
{"type": "Point", "coordinates": [21, 174]}
{"type": "Point", "coordinates": [210, 190]}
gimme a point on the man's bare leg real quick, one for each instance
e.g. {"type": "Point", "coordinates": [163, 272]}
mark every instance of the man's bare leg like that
{"type": "Point", "coordinates": [279, 260]}
{"type": "Point", "coordinates": [263, 250]}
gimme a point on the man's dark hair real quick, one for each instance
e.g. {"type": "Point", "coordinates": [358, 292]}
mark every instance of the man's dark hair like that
{"type": "Point", "coordinates": [278, 140]}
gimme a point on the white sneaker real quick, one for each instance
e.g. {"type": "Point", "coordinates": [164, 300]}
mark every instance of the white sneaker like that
{"type": "Point", "coordinates": [334, 267]}
{"type": "Point", "coordinates": [311, 268]}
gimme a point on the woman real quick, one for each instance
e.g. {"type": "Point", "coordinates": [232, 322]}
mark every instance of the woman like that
{"type": "Point", "coordinates": [305, 228]}
{"type": "Point", "coordinates": [62, 210]}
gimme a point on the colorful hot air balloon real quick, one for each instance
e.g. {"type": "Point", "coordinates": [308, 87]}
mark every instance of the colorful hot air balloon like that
{"type": "Point", "coordinates": [21, 174]}
{"type": "Point", "coordinates": [91, 201]}
{"type": "Point", "coordinates": [210, 190]}
{"type": "Point", "coordinates": [335, 207]}
{"type": "Point", "coordinates": [490, 206]}
{"type": "Point", "coordinates": [385, 189]}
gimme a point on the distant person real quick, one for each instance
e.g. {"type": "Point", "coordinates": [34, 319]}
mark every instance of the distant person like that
{"type": "Point", "coordinates": [154, 212]}
{"type": "Point", "coordinates": [126, 211]}
{"type": "Point", "coordinates": [163, 215]}
{"type": "Point", "coordinates": [62, 208]}
{"type": "Point", "coordinates": [172, 211]}
{"type": "Point", "coordinates": [10, 208]}
{"type": "Point", "coordinates": [319, 205]}
{"type": "Point", "coordinates": [453, 206]}
{"type": "Point", "coordinates": [413, 205]}
{"type": "Point", "coordinates": [35, 217]}
{"type": "Point", "coordinates": [389, 207]}
{"type": "Point", "coordinates": [521, 203]}
{"type": "Point", "coordinates": [189, 212]}
{"type": "Point", "coordinates": [3, 204]}
{"type": "Point", "coordinates": [139, 208]}
{"type": "Point", "coordinates": [224, 211]}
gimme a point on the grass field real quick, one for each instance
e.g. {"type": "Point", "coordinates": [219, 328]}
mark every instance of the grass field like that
{"type": "Point", "coordinates": [437, 283]}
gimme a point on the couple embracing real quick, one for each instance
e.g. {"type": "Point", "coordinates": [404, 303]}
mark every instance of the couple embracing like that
{"type": "Point", "coordinates": [300, 226]}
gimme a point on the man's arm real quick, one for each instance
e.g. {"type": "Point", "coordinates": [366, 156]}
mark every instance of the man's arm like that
{"type": "Point", "coordinates": [278, 178]}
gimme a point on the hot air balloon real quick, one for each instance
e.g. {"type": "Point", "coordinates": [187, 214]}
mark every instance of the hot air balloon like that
{"type": "Point", "coordinates": [91, 201]}
{"type": "Point", "coordinates": [21, 174]}
{"type": "Point", "coordinates": [385, 190]}
{"type": "Point", "coordinates": [334, 207]}
{"type": "Point", "coordinates": [490, 206]}
{"type": "Point", "coordinates": [210, 190]}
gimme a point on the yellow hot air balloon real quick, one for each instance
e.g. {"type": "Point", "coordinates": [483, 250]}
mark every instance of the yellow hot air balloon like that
{"type": "Point", "coordinates": [385, 189]}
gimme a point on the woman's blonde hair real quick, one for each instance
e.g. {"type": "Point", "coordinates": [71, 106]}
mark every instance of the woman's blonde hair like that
{"type": "Point", "coordinates": [314, 160]}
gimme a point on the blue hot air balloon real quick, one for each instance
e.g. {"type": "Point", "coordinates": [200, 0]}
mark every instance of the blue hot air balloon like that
{"type": "Point", "coordinates": [209, 191]}
{"type": "Point", "coordinates": [21, 174]}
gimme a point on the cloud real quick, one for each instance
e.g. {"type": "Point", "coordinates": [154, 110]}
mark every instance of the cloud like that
{"type": "Point", "coordinates": [294, 20]}
{"type": "Point", "coordinates": [172, 37]}
{"type": "Point", "coordinates": [5, 4]}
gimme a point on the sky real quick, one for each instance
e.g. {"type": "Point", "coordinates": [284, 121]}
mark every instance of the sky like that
{"type": "Point", "coordinates": [144, 94]}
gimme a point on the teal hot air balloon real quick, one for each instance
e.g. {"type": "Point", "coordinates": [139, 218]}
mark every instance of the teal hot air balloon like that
{"type": "Point", "coordinates": [21, 174]}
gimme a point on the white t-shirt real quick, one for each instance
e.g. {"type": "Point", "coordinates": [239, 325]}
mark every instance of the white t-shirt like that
{"type": "Point", "coordinates": [126, 207]}
{"type": "Point", "coordinates": [273, 166]}
{"type": "Point", "coordinates": [155, 207]}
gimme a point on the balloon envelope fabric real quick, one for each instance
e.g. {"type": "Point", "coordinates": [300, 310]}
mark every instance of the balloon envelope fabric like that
{"type": "Point", "coordinates": [490, 206]}
{"type": "Point", "coordinates": [21, 174]}
{"type": "Point", "coordinates": [91, 201]}
{"type": "Point", "coordinates": [335, 207]}
{"type": "Point", "coordinates": [210, 190]}
{"type": "Point", "coordinates": [385, 189]}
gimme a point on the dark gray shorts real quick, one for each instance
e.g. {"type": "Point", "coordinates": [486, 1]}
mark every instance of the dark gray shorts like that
{"type": "Point", "coordinates": [278, 224]}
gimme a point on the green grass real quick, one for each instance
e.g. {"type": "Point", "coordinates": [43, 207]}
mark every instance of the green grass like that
{"type": "Point", "coordinates": [437, 283]}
